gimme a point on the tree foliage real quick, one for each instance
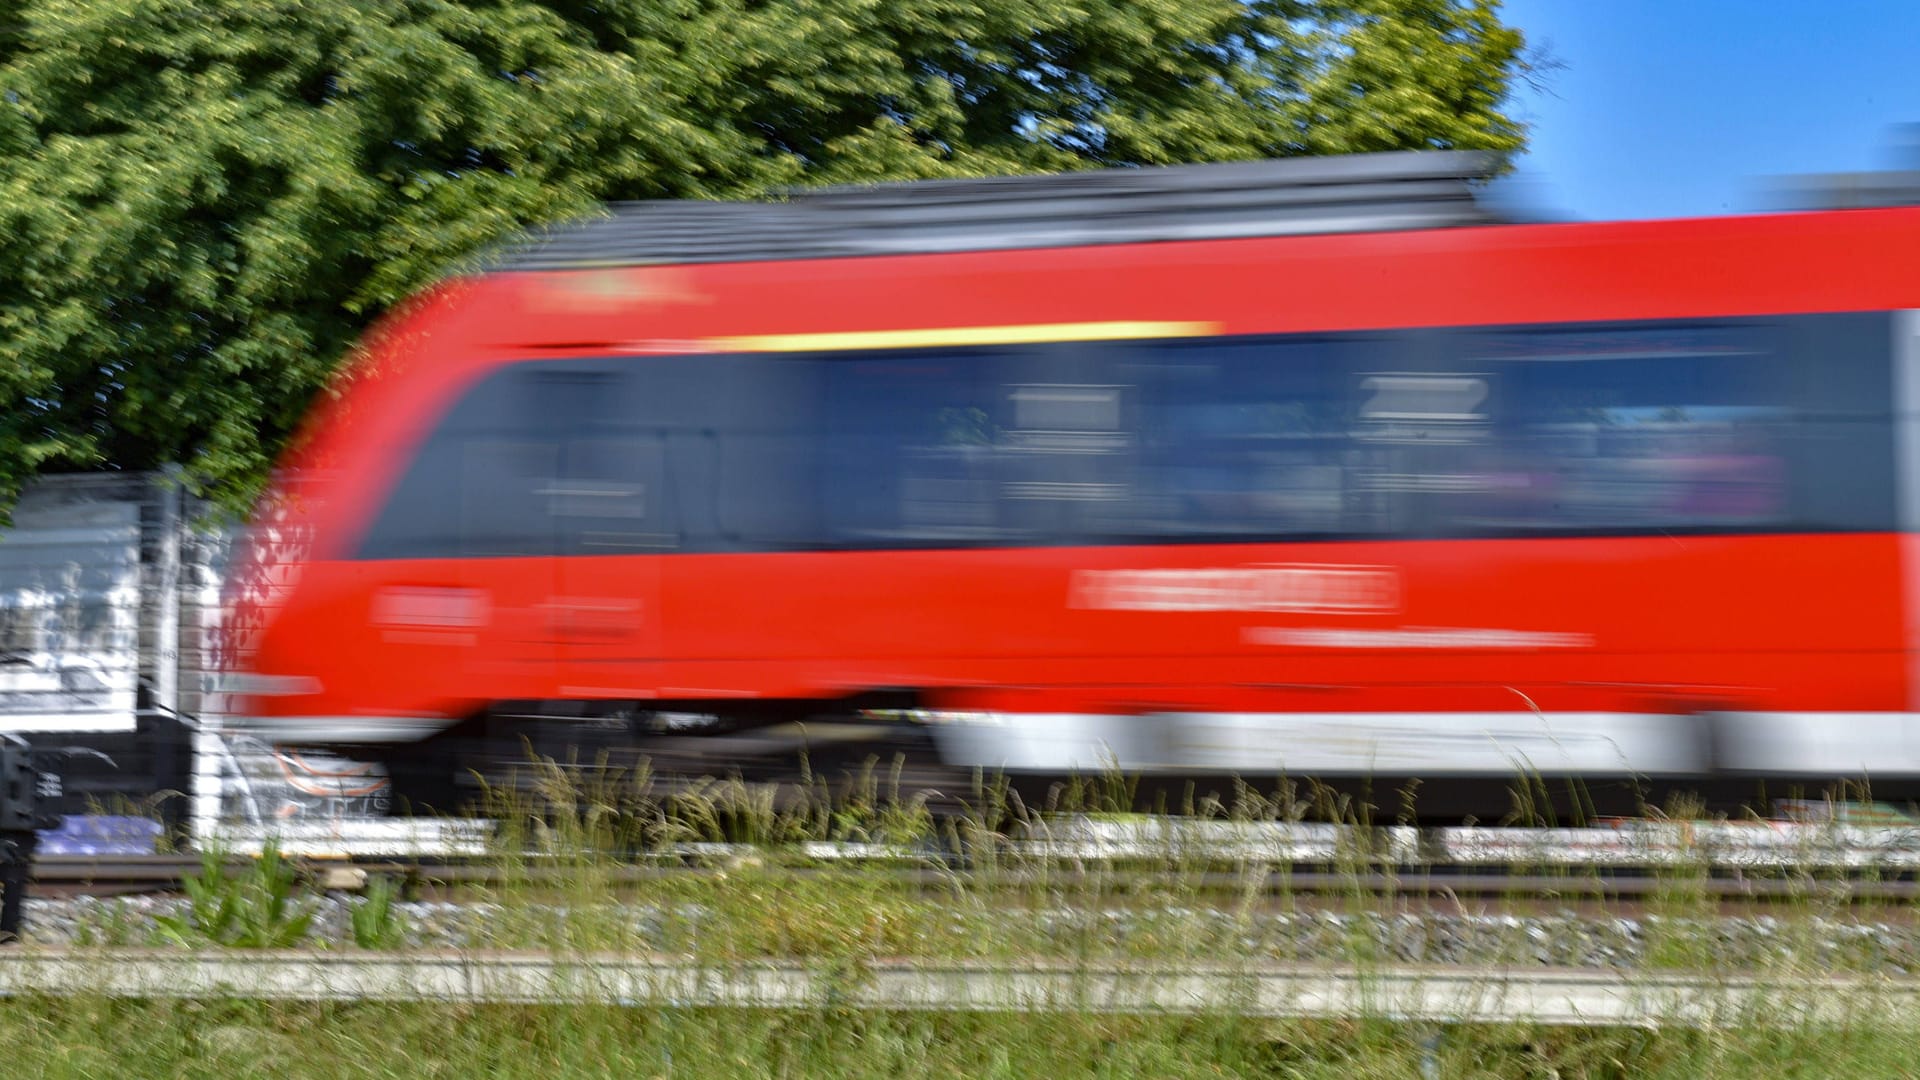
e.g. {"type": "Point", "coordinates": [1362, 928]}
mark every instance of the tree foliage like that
{"type": "Point", "coordinates": [202, 202]}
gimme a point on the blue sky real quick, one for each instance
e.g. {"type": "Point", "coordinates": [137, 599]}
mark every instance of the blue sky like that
{"type": "Point", "coordinates": [1681, 108]}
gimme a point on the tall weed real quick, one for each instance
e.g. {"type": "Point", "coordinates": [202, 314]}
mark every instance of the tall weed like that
{"type": "Point", "coordinates": [260, 908]}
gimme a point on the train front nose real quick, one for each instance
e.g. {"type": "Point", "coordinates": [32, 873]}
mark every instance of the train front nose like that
{"type": "Point", "coordinates": [290, 663]}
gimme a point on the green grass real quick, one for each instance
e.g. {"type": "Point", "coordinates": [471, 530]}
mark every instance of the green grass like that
{"type": "Point", "coordinates": [947, 895]}
{"type": "Point", "coordinates": [262, 908]}
{"type": "Point", "coordinates": [98, 1038]}
{"type": "Point", "coordinates": [963, 889]}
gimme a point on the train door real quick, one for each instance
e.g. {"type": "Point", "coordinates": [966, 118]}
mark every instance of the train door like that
{"type": "Point", "coordinates": [613, 507]}
{"type": "Point", "coordinates": [577, 485]}
{"type": "Point", "coordinates": [672, 468]}
{"type": "Point", "coordinates": [466, 545]}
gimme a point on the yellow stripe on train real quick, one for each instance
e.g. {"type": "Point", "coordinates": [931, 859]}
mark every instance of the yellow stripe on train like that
{"type": "Point", "coordinates": [1034, 333]}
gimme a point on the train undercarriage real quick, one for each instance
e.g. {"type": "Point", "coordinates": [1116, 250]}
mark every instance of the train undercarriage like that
{"type": "Point", "coordinates": [884, 749]}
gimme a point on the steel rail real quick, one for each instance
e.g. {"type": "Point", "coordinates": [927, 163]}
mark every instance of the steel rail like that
{"type": "Point", "coordinates": [80, 875]}
{"type": "Point", "coordinates": [1557, 997]}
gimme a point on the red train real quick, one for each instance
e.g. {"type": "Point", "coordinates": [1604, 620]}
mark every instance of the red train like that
{"type": "Point", "coordinates": [1312, 467]}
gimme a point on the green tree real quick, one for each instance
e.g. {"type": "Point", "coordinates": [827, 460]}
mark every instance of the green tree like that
{"type": "Point", "coordinates": [202, 202]}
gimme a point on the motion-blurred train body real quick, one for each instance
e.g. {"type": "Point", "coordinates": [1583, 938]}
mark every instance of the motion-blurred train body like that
{"type": "Point", "coordinates": [1311, 467]}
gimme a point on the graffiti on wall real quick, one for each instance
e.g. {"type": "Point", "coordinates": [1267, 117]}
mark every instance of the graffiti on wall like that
{"type": "Point", "coordinates": [260, 785]}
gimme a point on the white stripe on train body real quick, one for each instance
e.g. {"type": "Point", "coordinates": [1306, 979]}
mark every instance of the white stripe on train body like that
{"type": "Point", "coordinates": [1829, 745]}
{"type": "Point", "coordinates": [1825, 745]}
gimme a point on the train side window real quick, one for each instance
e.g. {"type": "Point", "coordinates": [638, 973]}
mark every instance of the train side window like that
{"type": "Point", "coordinates": [1669, 427]}
{"type": "Point", "coordinates": [502, 499]}
{"type": "Point", "coordinates": [1602, 428]}
{"type": "Point", "coordinates": [910, 446]}
{"type": "Point", "coordinates": [1245, 438]}
{"type": "Point", "coordinates": [729, 449]}
{"type": "Point", "coordinates": [435, 507]}
{"type": "Point", "coordinates": [467, 495]}
{"type": "Point", "coordinates": [1842, 464]}
{"type": "Point", "coordinates": [525, 463]}
{"type": "Point", "coordinates": [764, 448]}
{"type": "Point", "coordinates": [610, 495]}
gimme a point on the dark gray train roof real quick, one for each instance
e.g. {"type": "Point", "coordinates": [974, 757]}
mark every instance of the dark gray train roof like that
{"type": "Point", "coordinates": [1286, 197]}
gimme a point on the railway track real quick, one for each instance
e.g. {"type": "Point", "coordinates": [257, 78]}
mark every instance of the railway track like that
{"type": "Point", "coordinates": [1406, 994]}
{"type": "Point", "coordinates": [1548, 869]}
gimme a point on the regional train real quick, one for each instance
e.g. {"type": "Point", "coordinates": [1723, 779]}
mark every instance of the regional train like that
{"type": "Point", "coordinates": [1310, 467]}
